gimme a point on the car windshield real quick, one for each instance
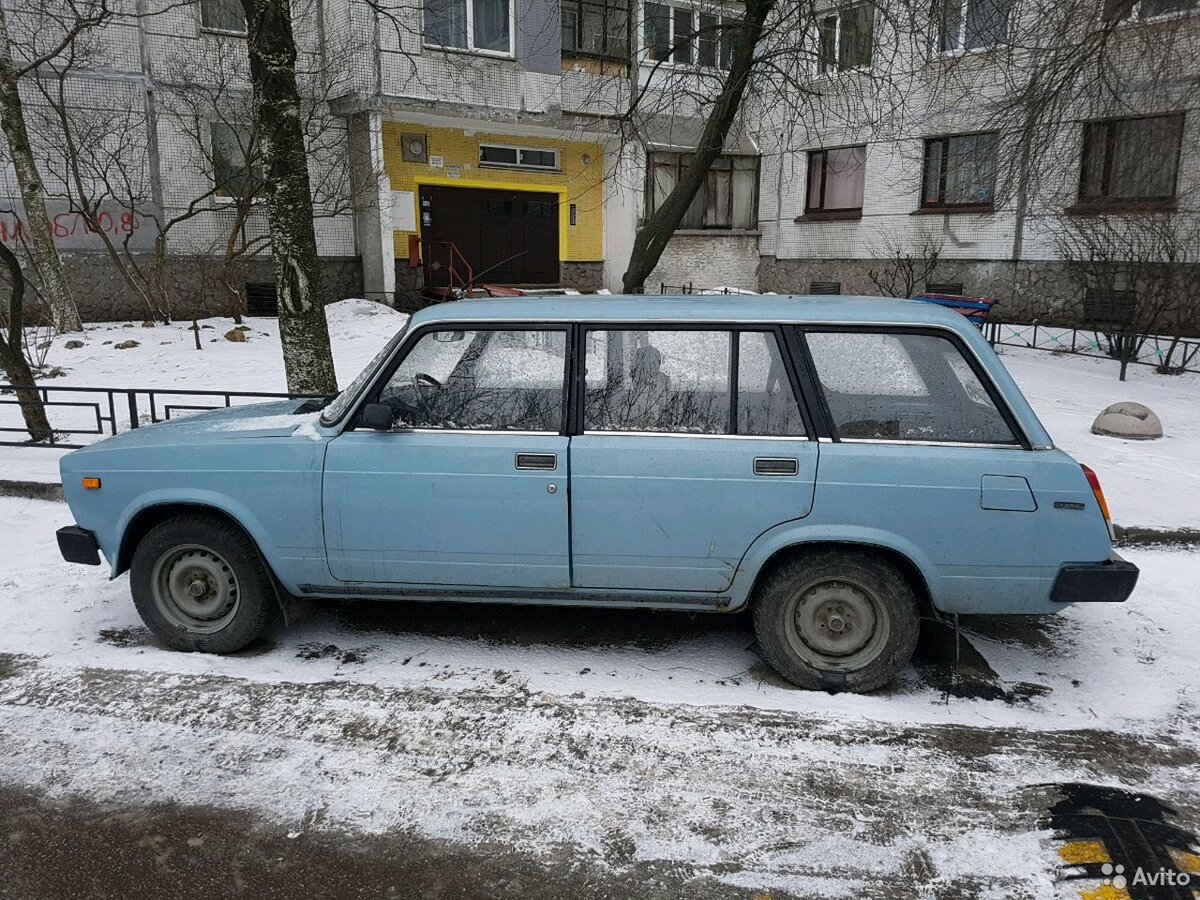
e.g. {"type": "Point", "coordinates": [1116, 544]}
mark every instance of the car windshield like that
{"type": "Point", "coordinates": [337, 407]}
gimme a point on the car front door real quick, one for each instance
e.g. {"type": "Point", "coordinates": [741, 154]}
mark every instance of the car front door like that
{"type": "Point", "coordinates": [469, 487]}
{"type": "Point", "coordinates": [692, 444]}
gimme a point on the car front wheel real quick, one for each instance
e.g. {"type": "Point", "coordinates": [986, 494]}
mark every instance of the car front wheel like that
{"type": "Point", "coordinates": [199, 584]}
{"type": "Point", "coordinates": [843, 620]}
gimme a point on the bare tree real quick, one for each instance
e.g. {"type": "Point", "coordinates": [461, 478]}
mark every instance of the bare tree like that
{"type": "Point", "coordinates": [303, 329]}
{"type": "Point", "coordinates": [51, 35]}
{"type": "Point", "coordinates": [905, 262]}
{"type": "Point", "coordinates": [12, 356]}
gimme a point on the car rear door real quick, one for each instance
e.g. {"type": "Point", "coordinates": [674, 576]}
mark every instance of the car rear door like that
{"type": "Point", "coordinates": [469, 487]}
{"type": "Point", "coordinates": [690, 443]}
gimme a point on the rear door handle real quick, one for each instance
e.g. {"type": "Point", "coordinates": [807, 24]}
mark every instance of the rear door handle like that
{"type": "Point", "coordinates": [776, 465]}
{"type": "Point", "coordinates": [538, 462]}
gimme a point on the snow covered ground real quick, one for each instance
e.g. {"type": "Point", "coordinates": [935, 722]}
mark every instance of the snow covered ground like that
{"type": "Point", "coordinates": [1149, 484]}
{"type": "Point", "coordinates": [621, 737]}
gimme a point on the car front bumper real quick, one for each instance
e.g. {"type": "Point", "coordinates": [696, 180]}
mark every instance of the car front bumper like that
{"type": "Point", "coordinates": [78, 545]}
{"type": "Point", "coordinates": [1111, 581]}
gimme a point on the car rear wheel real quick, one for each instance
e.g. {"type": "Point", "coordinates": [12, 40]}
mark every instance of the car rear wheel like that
{"type": "Point", "coordinates": [199, 584]}
{"type": "Point", "coordinates": [843, 620]}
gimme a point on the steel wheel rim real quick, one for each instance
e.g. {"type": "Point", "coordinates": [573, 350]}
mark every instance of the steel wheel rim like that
{"type": "Point", "coordinates": [195, 589]}
{"type": "Point", "coordinates": [837, 624]}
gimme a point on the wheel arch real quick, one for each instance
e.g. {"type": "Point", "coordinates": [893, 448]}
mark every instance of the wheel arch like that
{"type": "Point", "coordinates": [147, 517]}
{"type": "Point", "coordinates": [774, 546]}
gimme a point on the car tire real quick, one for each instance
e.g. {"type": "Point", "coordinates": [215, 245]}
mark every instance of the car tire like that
{"type": "Point", "coordinates": [836, 619]}
{"type": "Point", "coordinates": [199, 584]}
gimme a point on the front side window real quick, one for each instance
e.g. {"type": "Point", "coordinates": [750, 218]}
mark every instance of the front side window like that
{"type": "Point", "coordinates": [835, 179]}
{"type": "Point", "coordinates": [481, 380]}
{"type": "Point", "coordinates": [845, 39]}
{"type": "Point", "coordinates": [223, 15]}
{"type": "Point", "coordinates": [904, 387]}
{"type": "Point", "coordinates": [483, 25]}
{"type": "Point", "coordinates": [960, 171]}
{"type": "Point", "coordinates": [729, 198]}
{"type": "Point", "coordinates": [237, 166]}
{"type": "Point", "coordinates": [1131, 159]}
{"type": "Point", "coordinates": [684, 36]}
{"type": "Point", "coordinates": [675, 382]}
{"type": "Point", "coordinates": [971, 24]}
{"type": "Point", "coordinates": [596, 28]}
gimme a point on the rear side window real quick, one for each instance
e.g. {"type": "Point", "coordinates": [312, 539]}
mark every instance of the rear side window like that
{"type": "Point", "coordinates": [491, 380]}
{"type": "Point", "coordinates": [904, 387]}
{"type": "Point", "coordinates": [662, 381]}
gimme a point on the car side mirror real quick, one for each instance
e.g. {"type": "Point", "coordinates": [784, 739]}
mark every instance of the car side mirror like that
{"type": "Point", "coordinates": [377, 416]}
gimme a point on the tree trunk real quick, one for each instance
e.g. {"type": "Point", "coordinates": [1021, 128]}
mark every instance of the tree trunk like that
{"type": "Point", "coordinates": [55, 288]}
{"type": "Point", "coordinates": [651, 239]}
{"type": "Point", "coordinates": [12, 358]}
{"type": "Point", "coordinates": [302, 327]}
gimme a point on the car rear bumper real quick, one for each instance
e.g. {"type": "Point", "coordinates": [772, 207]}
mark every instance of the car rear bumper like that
{"type": "Point", "coordinates": [1111, 581]}
{"type": "Point", "coordinates": [78, 545]}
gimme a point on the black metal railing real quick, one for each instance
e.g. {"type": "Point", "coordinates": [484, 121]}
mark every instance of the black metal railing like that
{"type": "Point", "coordinates": [1172, 354]}
{"type": "Point", "coordinates": [111, 410]}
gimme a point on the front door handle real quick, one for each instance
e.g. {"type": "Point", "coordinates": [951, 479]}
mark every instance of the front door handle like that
{"type": "Point", "coordinates": [538, 462]}
{"type": "Point", "coordinates": [776, 465]}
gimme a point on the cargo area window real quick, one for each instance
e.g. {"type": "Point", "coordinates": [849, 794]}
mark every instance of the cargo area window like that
{"type": "Point", "coordinates": [904, 387]}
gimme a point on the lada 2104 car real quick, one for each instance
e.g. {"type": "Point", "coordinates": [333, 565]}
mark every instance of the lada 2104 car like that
{"type": "Point", "coordinates": [841, 466]}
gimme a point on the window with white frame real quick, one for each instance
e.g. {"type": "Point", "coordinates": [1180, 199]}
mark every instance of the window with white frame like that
{"type": "Point", "coordinates": [729, 198]}
{"type": "Point", "coordinates": [686, 36]}
{"type": "Point", "coordinates": [223, 15]}
{"type": "Point", "coordinates": [596, 28]}
{"type": "Point", "coordinates": [236, 164]}
{"type": "Point", "coordinates": [971, 24]}
{"type": "Point", "coordinates": [505, 157]}
{"type": "Point", "coordinates": [845, 39]}
{"type": "Point", "coordinates": [483, 26]}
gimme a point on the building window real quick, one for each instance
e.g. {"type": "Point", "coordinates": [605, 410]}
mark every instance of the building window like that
{"type": "Point", "coordinates": [683, 36]}
{"type": "Point", "coordinates": [479, 25]}
{"type": "Point", "coordinates": [1121, 10]}
{"type": "Point", "coordinates": [835, 181]}
{"type": "Point", "coordinates": [1130, 159]}
{"type": "Point", "coordinates": [729, 198]}
{"type": "Point", "coordinates": [971, 24]}
{"type": "Point", "coordinates": [596, 28]}
{"type": "Point", "coordinates": [223, 15]}
{"type": "Point", "coordinates": [237, 170]}
{"type": "Point", "coordinates": [517, 157]}
{"type": "Point", "coordinates": [845, 39]}
{"type": "Point", "coordinates": [960, 171]}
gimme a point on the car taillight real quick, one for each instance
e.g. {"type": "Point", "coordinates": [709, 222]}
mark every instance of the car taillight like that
{"type": "Point", "coordinates": [1098, 492]}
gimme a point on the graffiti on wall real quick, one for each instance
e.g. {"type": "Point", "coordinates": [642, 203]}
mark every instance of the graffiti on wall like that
{"type": "Point", "coordinates": [73, 231]}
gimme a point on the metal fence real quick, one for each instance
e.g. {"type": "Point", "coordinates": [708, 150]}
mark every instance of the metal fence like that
{"type": "Point", "coordinates": [96, 412]}
{"type": "Point", "coordinates": [1171, 354]}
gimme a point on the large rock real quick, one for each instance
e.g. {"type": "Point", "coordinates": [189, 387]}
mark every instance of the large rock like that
{"type": "Point", "coordinates": [1133, 421]}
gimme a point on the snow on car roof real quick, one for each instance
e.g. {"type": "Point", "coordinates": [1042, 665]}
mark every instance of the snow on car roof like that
{"type": "Point", "coordinates": [700, 308]}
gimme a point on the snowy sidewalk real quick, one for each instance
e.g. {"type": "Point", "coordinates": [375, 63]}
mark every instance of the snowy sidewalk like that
{"type": "Point", "coordinates": [620, 738]}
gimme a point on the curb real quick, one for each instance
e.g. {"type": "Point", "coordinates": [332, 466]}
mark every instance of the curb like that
{"type": "Point", "coordinates": [1127, 536]}
{"type": "Point", "coordinates": [31, 490]}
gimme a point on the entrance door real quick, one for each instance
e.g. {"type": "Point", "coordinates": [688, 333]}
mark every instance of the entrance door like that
{"type": "Point", "coordinates": [507, 237]}
{"type": "Point", "coordinates": [672, 480]}
{"type": "Point", "coordinates": [470, 485]}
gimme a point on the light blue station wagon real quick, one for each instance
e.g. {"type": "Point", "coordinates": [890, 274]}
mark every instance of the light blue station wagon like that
{"type": "Point", "coordinates": [842, 466]}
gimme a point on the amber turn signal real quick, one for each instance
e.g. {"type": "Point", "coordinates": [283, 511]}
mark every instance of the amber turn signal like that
{"type": "Point", "coordinates": [91, 484]}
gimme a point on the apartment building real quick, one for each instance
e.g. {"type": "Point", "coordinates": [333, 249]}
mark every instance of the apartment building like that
{"type": "Point", "coordinates": [942, 145]}
{"type": "Point", "coordinates": [512, 142]}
